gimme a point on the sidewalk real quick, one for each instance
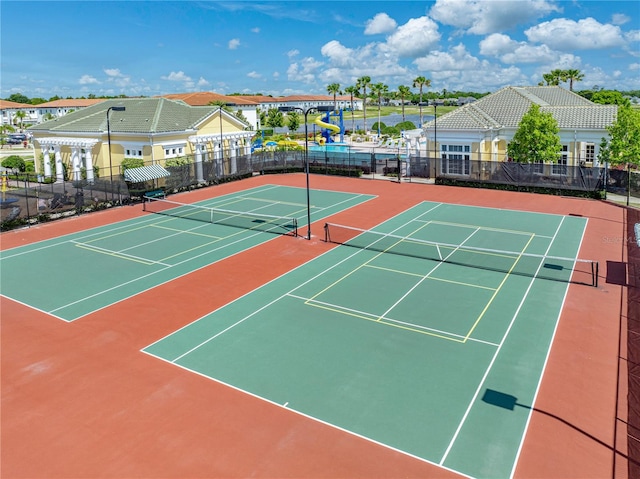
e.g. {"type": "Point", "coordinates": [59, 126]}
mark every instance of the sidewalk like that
{"type": "Point", "coordinates": [620, 199]}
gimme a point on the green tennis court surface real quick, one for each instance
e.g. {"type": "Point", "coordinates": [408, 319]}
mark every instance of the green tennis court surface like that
{"type": "Point", "coordinates": [438, 359]}
{"type": "Point", "coordinates": [77, 274]}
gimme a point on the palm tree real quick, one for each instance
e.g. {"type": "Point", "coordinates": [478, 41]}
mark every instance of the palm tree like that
{"type": "Point", "coordinates": [334, 89]}
{"type": "Point", "coordinates": [379, 89]}
{"type": "Point", "coordinates": [20, 117]}
{"type": "Point", "coordinates": [403, 92]}
{"type": "Point", "coordinates": [352, 90]}
{"type": "Point", "coordinates": [573, 75]}
{"type": "Point", "coordinates": [421, 82]}
{"type": "Point", "coordinates": [363, 83]}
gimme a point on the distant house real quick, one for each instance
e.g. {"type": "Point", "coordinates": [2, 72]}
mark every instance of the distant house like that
{"type": "Point", "coordinates": [58, 108]}
{"type": "Point", "coordinates": [9, 109]}
{"type": "Point", "coordinates": [252, 105]}
{"type": "Point", "coordinates": [482, 130]}
{"type": "Point", "coordinates": [151, 129]}
{"type": "Point", "coordinates": [248, 108]}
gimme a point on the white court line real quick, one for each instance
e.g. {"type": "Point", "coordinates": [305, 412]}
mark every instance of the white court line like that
{"type": "Point", "coordinates": [240, 321]}
{"type": "Point", "coordinates": [338, 308]}
{"type": "Point", "coordinates": [546, 360]}
{"type": "Point", "coordinates": [308, 416]}
{"type": "Point", "coordinates": [495, 355]}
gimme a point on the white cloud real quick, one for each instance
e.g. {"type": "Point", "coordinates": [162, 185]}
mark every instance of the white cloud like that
{"type": "Point", "coordinates": [202, 83]}
{"type": "Point", "coordinates": [338, 54]}
{"type": "Point", "coordinates": [113, 72]}
{"type": "Point", "coordinates": [88, 80]}
{"type": "Point", "coordinates": [305, 71]}
{"type": "Point", "coordinates": [255, 30]}
{"type": "Point", "coordinates": [620, 19]}
{"type": "Point", "coordinates": [293, 53]}
{"type": "Point", "coordinates": [634, 67]}
{"type": "Point", "coordinates": [457, 59]}
{"type": "Point", "coordinates": [509, 51]}
{"type": "Point", "coordinates": [381, 23]}
{"type": "Point", "coordinates": [568, 35]}
{"type": "Point", "coordinates": [254, 75]}
{"type": "Point", "coordinates": [234, 43]}
{"type": "Point", "coordinates": [414, 38]}
{"type": "Point", "coordinates": [177, 77]}
{"type": "Point", "coordinates": [116, 77]}
{"type": "Point", "coordinates": [347, 64]}
{"type": "Point", "coordinates": [481, 17]}
{"type": "Point", "coordinates": [632, 36]}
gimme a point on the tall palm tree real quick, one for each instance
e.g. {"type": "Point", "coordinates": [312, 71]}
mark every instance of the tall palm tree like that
{"type": "Point", "coordinates": [352, 91]}
{"type": "Point", "coordinates": [20, 115]}
{"type": "Point", "coordinates": [573, 75]}
{"type": "Point", "coordinates": [362, 84]}
{"type": "Point", "coordinates": [334, 89]}
{"type": "Point", "coordinates": [403, 92]}
{"type": "Point", "coordinates": [421, 82]}
{"type": "Point", "coordinates": [379, 90]}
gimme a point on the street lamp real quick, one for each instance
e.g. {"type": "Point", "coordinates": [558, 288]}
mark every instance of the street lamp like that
{"type": "Point", "coordinates": [306, 151]}
{"type": "Point", "coordinates": [435, 130]}
{"type": "Point", "coordinates": [114, 108]}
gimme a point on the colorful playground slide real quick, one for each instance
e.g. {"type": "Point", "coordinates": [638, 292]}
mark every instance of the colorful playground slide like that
{"type": "Point", "coordinates": [329, 126]}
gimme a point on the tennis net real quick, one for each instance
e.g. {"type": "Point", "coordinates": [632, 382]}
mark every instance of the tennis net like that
{"type": "Point", "coordinates": [554, 268]}
{"type": "Point", "coordinates": [237, 219]}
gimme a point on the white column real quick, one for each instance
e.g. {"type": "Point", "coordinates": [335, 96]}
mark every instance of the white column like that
{"type": "Point", "coordinates": [233, 147]}
{"type": "Point", "coordinates": [88, 163]}
{"type": "Point", "coordinates": [59, 167]}
{"type": "Point", "coordinates": [75, 163]}
{"type": "Point", "coordinates": [47, 161]}
{"type": "Point", "coordinates": [199, 175]}
{"type": "Point", "coordinates": [219, 158]}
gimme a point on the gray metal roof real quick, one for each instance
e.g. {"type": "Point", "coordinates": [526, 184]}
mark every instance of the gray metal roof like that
{"type": "Point", "coordinates": [506, 107]}
{"type": "Point", "coordinates": [142, 115]}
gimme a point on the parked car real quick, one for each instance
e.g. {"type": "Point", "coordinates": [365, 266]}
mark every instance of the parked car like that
{"type": "Point", "coordinates": [16, 139]}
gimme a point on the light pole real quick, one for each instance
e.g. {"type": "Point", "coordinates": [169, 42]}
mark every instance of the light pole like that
{"type": "Point", "coordinates": [114, 108]}
{"type": "Point", "coordinates": [306, 151]}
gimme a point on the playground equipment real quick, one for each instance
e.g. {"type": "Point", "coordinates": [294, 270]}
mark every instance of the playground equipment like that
{"type": "Point", "coordinates": [330, 128]}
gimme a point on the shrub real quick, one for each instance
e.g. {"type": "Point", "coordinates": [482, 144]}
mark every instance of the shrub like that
{"type": "Point", "coordinates": [132, 163]}
{"type": "Point", "coordinates": [14, 162]}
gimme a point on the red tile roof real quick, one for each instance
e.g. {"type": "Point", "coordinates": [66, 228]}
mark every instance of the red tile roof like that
{"type": "Point", "coordinates": [204, 98]}
{"type": "Point", "coordinates": [70, 103]}
{"type": "Point", "coordinates": [6, 104]}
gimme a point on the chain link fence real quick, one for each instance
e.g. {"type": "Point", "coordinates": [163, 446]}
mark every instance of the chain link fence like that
{"type": "Point", "coordinates": [29, 200]}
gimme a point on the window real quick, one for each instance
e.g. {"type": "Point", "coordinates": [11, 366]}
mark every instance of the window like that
{"type": "Point", "coordinates": [173, 151]}
{"type": "Point", "coordinates": [133, 153]}
{"type": "Point", "coordinates": [455, 159]}
{"type": "Point", "coordinates": [538, 167]}
{"type": "Point", "coordinates": [590, 153]}
{"type": "Point", "coordinates": [560, 168]}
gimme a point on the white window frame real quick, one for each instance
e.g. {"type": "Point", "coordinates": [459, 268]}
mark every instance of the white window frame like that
{"type": "Point", "coordinates": [560, 168]}
{"type": "Point", "coordinates": [174, 150]}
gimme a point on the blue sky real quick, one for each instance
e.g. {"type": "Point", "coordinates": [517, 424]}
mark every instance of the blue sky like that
{"type": "Point", "coordinates": [74, 48]}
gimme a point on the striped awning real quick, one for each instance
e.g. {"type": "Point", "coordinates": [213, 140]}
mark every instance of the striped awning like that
{"type": "Point", "coordinates": [145, 173]}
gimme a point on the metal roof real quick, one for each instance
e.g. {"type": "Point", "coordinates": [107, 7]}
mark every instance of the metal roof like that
{"type": "Point", "coordinates": [142, 115]}
{"type": "Point", "coordinates": [506, 107]}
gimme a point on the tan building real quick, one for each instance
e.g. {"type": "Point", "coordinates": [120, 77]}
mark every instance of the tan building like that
{"type": "Point", "coordinates": [481, 131]}
{"type": "Point", "coordinates": [93, 142]}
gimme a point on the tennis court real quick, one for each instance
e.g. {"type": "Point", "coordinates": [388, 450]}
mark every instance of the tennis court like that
{"type": "Point", "coordinates": [428, 334]}
{"type": "Point", "coordinates": [86, 271]}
